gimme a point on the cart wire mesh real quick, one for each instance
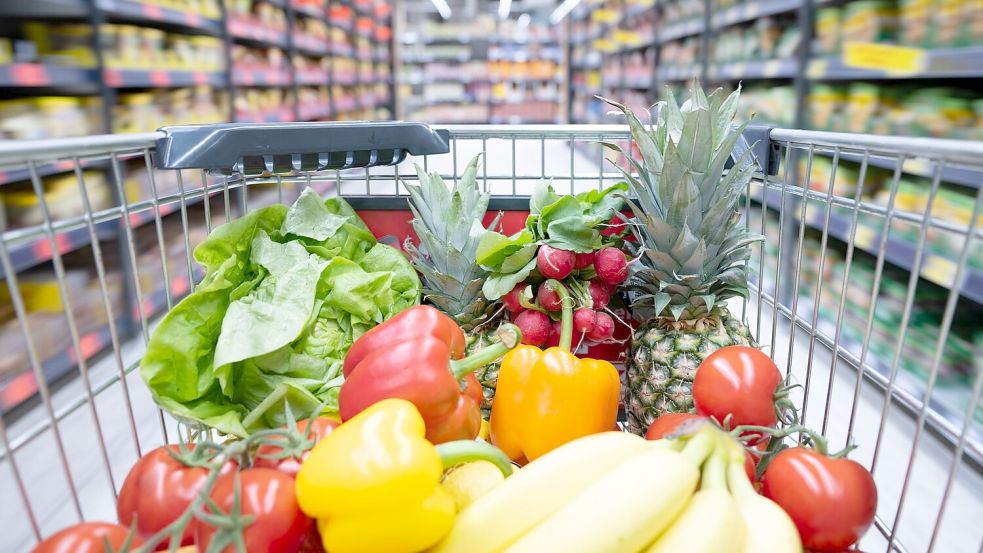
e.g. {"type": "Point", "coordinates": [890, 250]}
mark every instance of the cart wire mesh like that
{"type": "Point", "coordinates": [866, 290]}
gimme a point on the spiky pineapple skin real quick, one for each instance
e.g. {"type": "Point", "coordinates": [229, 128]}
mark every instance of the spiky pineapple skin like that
{"type": "Point", "coordinates": [662, 363]}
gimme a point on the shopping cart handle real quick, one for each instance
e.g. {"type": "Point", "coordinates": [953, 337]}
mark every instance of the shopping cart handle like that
{"type": "Point", "coordinates": [252, 149]}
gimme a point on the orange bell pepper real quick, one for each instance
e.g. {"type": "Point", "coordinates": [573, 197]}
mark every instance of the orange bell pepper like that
{"type": "Point", "coordinates": [545, 399]}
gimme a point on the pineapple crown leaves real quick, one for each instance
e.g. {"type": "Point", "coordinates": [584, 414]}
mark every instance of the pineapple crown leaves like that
{"type": "Point", "coordinates": [692, 248]}
{"type": "Point", "coordinates": [448, 222]}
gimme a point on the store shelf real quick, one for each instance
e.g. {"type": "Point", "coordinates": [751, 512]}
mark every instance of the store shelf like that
{"type": "Point", "coordinates": [36, 75]}
{"type": "Point", "coordinates": [39, 250]}
{"type": "Point", "coordinates": [770, 69]}
{"type": "Point", "coordinates": [311, 46]}
{"type": "Point", "coordinates": [951, 63]}
{"type": "Point", "coordinates": [241, 29]}
{"type": "Point", "coordinates": [309, 11]}
{"type": "Point", "coordinates": [147, 12]}
{"type": "Point", "coordinates": [24, 386]}
{"type": "Point", "coordinates": [161, 78]}
{"type": "Point", "coordinates": [684, 73]}
{"type": "Point", "coordinates": [750, 11]}
{"type": "Point", "coordinates": [282, 115]}
{"type": "Point", "coordinates": [641, 84]}
{"type": "Point", "coordinates": [312, 77]}
{"type": "Point", "coordinates": [43, 170]}
{"type": "Point", "coordinates": [901, 253]}
{"type": "Point", "coordinates": [683, 29]}
{"type": "Point", "coordinates": [627, 49]}
{"type": "Point", "coordinates": [261, 77]}
{"type": "Point", "coordinates": [972, 178]}
{"type": "Point", "coordinates": [57, 9]}
{"type": "Point", "coordinates": [313, 112]}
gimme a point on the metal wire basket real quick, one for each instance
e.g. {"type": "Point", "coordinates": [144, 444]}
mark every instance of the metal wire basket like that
{"type": "Point", "coordinates": [864, 290]}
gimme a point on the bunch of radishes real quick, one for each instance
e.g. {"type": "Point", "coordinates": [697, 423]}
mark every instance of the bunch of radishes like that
{"type": "Point", "coordinates": [590, 278]}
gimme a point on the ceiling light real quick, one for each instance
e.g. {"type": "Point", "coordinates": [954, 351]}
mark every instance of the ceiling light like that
{"type": "Point", "coordinates": [442, 8]}
{"type": "Point", "coordinates": [523, 20]}
{"type": "Point", "coordinates": [504, 7]}
{"type": "Point", "coordinates": [562, 10]}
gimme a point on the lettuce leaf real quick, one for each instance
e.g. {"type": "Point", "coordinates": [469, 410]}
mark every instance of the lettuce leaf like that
{"type": "Point", "coordinates": [286, 291]}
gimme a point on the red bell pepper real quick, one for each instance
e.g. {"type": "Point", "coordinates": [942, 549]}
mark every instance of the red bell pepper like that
{"type": "Point", "coordinates": [416, 356]}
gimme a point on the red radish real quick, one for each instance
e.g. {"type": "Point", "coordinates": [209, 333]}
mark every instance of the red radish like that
{"type": "Point", "coordinates": [584, 320]}
{"type": "Point", "coordinates": [554, 339]}
{"type": "Point", "coordinates": [611, 265]}
{"type": "Point", "coordinates": [603, 328]}
{"type": "Point", "coordinates": [548, 298]}
{"type": "Point", "coordinates": [554, 262]}
{"type": "Point", "coordinates": [535, 327]}
{"type": "Point", "coordinates": [511, 300]}
{"type": "Point", "coordinates": [615, 226]}
{"type": "Point", "coordinates": [583, 260]}
{"type": "Point", "coordinates": [599, 294]}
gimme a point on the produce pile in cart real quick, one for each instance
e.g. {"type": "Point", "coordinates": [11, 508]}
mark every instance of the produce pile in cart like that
{"type": "Point", "coordinates": [345, 396]}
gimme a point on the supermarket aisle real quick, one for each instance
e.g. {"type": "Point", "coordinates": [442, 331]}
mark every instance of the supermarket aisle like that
{"type": "Point", "coordinates": [526, 161]}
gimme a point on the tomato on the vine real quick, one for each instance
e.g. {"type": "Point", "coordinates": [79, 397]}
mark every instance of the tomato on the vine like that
{"type": "Point", "coordinates": [266, 453]}
{"type": "Point", "coordinates": [157, 490]}
{"type": "Point", "coordinates": [739, 382]}
{"type": "Point", "coordinates": [88, 537]}
{"type": "Point", "coordinates": [832, 501]}
{"type": "Point", "coordinates": [268, 495]}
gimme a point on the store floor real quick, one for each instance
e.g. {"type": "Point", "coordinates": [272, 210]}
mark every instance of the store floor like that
{"type": "Point", "coordinates": [51, 499]}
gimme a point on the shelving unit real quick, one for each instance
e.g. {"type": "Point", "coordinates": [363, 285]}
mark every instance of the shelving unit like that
{"type": "Point", "coordinates": [631, 52]}
{"type": "Point", "coordinates": [482, 71]}
{"type": "Point", "coordinates": [314, 78]}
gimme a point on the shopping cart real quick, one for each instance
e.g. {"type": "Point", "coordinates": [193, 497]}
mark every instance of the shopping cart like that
{"type": "Point", "coordinates": [817, 304]}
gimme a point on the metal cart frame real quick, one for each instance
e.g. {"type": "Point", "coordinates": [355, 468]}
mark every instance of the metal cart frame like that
{"type": "Point", "coordinates": [848, 391]}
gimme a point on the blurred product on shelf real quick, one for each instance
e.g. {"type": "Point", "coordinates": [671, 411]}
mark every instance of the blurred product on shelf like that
{"type": "Point", "coordinates": [263, 105]}
{"type": "Point", "coordinates": [885, 109]}
{"type": "Point", "coordinates": [311, 34]}
{"type": "Point", "coordinates": [679, 11]}
{"type": "Point", "coordinates": [49, 117]}
{"type": "Point", "coordinates": [638, 67]}
{"type": "Point", "coordinates": [22, 207]}
{"type": "Point", "coordinates": [765, 39]}
{"type": "Point", "coordinates": [681, 53]}
{"type": "Point", "coordinates": [248, 58]}
{"type": "Point", "coordinates": [770, 104]}
{"type": "Point", "coordinates": [126, 47]}
{"type": "Point", "coordinates": [922, 23]}
{"type": "Point", "coordinates": [256, 13]}
{"type": "Point", "coordinates": [148, 111]}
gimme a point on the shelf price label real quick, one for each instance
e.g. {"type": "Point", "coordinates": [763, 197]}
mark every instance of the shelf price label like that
{"type": "Point", "coordinates": [939, 270]}
{"type": "Point", "coordinates": [893, 60]}
{"type": "Point", "coordinates": [160, 78]}
{"type": "Point", "coordinates": [29, 74]}
{"type": "Point", "coordinates": [605, 16]}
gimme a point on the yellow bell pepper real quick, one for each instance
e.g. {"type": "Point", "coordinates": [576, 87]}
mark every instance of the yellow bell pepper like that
{"type": "Point", "coordinates": [545, 399]}
{"type": "Point", "coordinates": [373, 484]}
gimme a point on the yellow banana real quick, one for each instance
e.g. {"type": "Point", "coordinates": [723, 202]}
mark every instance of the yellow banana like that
{"type": "Point", "coordinates": [711, 522]}
{"type": "Point", "coordinates": [534, 493]}
{"type": "Point", "coordinates": [622, 511]}
{"type": "Point", "coordinates": [769, 529]}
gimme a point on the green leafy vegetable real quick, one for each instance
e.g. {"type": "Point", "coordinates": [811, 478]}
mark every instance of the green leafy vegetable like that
{"type": "Point", "coordinates": [285, 293]}
{"type": "Point", "coordinates": [562, 221]}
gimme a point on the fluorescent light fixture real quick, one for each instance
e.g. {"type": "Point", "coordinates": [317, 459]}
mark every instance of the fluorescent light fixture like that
{"type": "Point", "coordinates": [442, 8]}
{"type": "Point", "coordinates": [562, 10]}
{"type": "Point", "coordinates": [504, 7]}
{"type": "Point", "coordinates": [523, 20]}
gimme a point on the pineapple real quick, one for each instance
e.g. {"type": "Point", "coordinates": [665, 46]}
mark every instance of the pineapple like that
{"type": "Point", "coordinates": [692, 249]}
{"type": "Point", "coordinates": [448, 224]}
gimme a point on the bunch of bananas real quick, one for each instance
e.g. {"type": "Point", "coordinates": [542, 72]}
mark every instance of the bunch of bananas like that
{"type": "Point", "coordinates": [615, 492]}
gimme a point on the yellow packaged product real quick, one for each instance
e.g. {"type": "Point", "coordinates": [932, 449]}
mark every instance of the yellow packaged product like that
{"type": "Point", "coordinates": [61, 195]}
{"type": "Point", "coordinates": [870, 21]}
{"type": "Point", "coordinates": [63, 44]}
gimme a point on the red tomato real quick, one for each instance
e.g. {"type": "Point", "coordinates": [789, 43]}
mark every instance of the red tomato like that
{"type": "Point", "coordinates": [832, 501]}
{"type": "Point", "coordinates": [88, 537]}
{"type": "Point", "coordinates": [290, 465]}
{"type": "Point", "coordinates": [737, 381]}
{"type": "Point", "coordinates": [157, 490]}
{"type": "Point", "coordinates": [267, 494]}
{"type": "Point", "coordinates": [668, 423]}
